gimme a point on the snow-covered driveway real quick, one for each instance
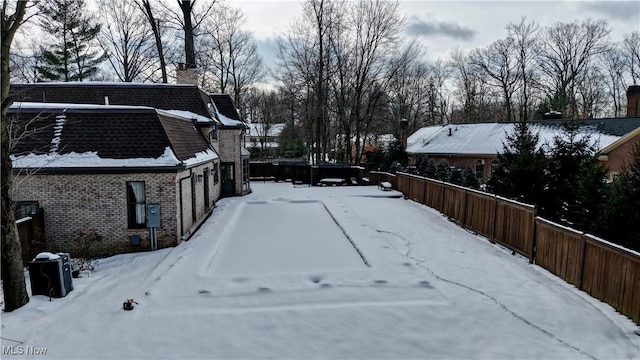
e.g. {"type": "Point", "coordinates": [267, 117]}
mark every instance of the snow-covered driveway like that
{"type": "Point", "coordinates": [322, 273]}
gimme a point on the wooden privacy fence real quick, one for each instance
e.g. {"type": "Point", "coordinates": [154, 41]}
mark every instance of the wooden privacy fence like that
{"type": "Point", "coordinates": [504, 221]}
{"type": "Point", "coordinates": [605, 271]}
{"type": "Point", "coordinates": [32, 235]}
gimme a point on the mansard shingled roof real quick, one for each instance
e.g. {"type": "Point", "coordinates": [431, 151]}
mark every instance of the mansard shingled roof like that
{"type": "Point", "coordinates": [225, 106]}
{"type": "Point", "coordinates": [111, 132]}
{"type": "Point", "coordinates": [160, 96]}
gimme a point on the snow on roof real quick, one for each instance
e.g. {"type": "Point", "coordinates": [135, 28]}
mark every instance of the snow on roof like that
{"type": "Point", "coordinates": [187, 115]}
{"type": "Point", "coordinates": [201, 157]}
{"type": "Point", "coordinates": [104, 83]}
{"type": "Point", "coordinates": [91, 159]}
{"type": "Point", "coordinates": [227, 121]}
{"type": "Point", "coordinates": [64, 106]}
{"type": "Point", "coordinates": [485, 138]}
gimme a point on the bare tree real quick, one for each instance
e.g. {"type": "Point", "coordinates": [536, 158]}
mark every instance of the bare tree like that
{"type": "Point", "coordinates": [25, 62]}
{"type": "Point", "coordinates": [303, 54]}
{"type": "Point", "coordinates": [13, 281]}
{"type": "Point", "coordinates": [439, 94]}
{"type": "Point", "coordinates": [376, 28]}
{"type": "Point", "coordinates": [631, 46]}
{"type": "Point", "coordinates": [525, 36]}
{"type": "Point", "coordinates": [565, 52]}
{"type": "Point", "coordinates": [145, 7]}
{"type": "Point", "coordinates": [229, 54]}
{"type": "Point", "coordinates": [411, 92]}
{"type": "Point", "coordinates": [126, 40]}
{"type": "Point", "coordinates": [470, 91]}
{"type": "Point", "coordinates": [343, 58]}
{"type": "Point", "coordinates": [590, 93]}
{"type": "Point", "coordinates": [188, 19]}
{"type": "Point", "coordinates": [498, 62]}
{"type": "Point", "coordinates": [614, 64]}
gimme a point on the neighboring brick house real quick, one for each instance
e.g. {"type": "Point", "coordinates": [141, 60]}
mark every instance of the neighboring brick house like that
{"type": "Point", "coordinates": [227, 134]}
{"type": "Point", "coordinates": [619, 154]}
{"type": "Point", "coordinates": [476, 146]}
{"type": "Point", "coordinates": [97, 171]}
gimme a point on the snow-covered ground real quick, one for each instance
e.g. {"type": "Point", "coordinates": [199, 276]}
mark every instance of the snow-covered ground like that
{"type": "Point", "coordinates": [321, 273]}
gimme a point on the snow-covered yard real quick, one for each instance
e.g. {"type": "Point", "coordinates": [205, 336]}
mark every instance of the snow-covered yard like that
{"type": "Point", "coordinates": [321, 273]}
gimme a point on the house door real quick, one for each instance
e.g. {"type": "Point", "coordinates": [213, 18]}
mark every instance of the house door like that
{"type": "Point", "coordinates": [228, 179]}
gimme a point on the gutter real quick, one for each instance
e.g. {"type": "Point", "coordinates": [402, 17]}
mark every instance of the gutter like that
{"type": "Point", "coordinates": [100, 170]}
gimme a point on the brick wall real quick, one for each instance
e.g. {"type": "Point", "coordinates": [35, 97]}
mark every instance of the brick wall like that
{"type": "Point", "coordinates": [230, 152]}
{"type": "Point", "coordinates": [622, 155]}
{"type": "Point", "coordinates": [633, 101]}
{"type": "Point", "coordinates": [86, 215]}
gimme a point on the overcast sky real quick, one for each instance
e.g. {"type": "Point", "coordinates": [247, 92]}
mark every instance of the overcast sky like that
{"type": "Point", "coordinates": [444, 25]}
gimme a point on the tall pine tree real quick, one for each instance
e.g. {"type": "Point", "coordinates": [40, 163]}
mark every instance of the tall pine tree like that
{"type": "Point", "coordinates": [71, 55]}
{"type": "Point", "coordinates": [576, 188]}
{"type": "Point", "coordinates": [522, 165]}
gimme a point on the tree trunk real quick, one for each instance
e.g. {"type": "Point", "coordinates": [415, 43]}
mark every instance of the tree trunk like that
{"type": "Point", "coordinates": [189, 49]}
{"type": "Point", "coordinates": [155, 27]}
{"type": "Point", "coordinates": [13, 281]}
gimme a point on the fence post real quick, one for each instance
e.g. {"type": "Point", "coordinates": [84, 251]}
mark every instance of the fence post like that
{"type": "Point", "coordinates": [495, 216]}
{"type": "Point", "coordinates": [583, 252]}
{"type": "Point", "coordinates": [442, 196]}
{"type": "Point", "coordinates": [464, 213]}
{"type": "Point", "coordinates": [533, 236]}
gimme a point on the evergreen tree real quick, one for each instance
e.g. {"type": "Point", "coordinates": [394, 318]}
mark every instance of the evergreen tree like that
{"type": "Point", "coordinates": [70, 55]}
{"type": "Point", "coordinates": [469, 178]}
{"type": "Point", "coordinates": [290, 142]}
{"type": "Point", "coordinates": [443, 171]}
{"type": "Point", "coordinates": [622, 211]}
{"type": "Point", "coordinates": [576, 181]}
{"type": "Point", "coordinates": [431, 170]}
{"type": "Point", "coordinates": [522, 165]}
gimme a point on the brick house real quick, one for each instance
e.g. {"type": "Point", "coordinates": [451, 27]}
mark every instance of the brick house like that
{"type": "Point", "coordinates": [234, 157]}
{"type": "Point", "coordinates": [226, 135]}
{"type": "Point", "coordinates": [476, 146]}
{"type": "Point", "coordinates": [98, 171]}
{"type": "Point", "coordinates": [619, 154]}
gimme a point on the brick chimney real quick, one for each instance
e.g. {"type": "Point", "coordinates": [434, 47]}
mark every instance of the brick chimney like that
{"type": "Point", "coordinates": [633, 101]}
{"type": "Point", "coordinates": [404, 127]}
{"type": "Point", "coordinates": [186, 74]}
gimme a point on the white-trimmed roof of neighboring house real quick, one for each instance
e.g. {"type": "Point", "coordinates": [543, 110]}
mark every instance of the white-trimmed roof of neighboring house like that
{"type": "Point", "coordinates": [107, 136]}
{"type": "Point", "coordinates": [620, 141]}
{"type": "Point", "coordinates": [258, 129]}
{"type": "Point", "coordinates": [487, 138]}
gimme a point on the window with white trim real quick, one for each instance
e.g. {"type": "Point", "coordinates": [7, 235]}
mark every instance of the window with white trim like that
{"type": "Point", "coordinates": [136, 205]}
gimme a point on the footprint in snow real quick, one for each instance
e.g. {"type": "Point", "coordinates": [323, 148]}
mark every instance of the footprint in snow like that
{"type": "Point", "coordinates": [426, 284]}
